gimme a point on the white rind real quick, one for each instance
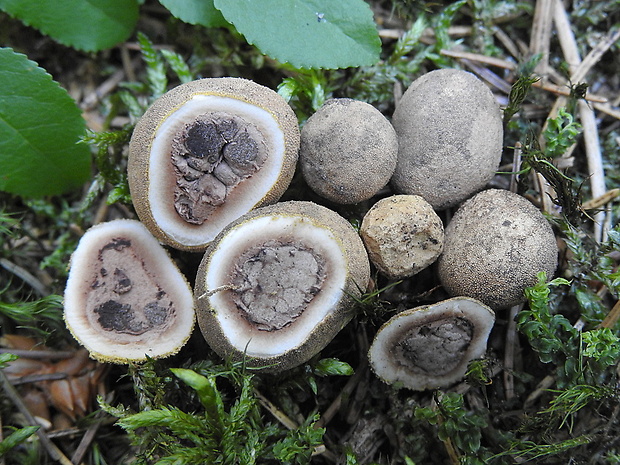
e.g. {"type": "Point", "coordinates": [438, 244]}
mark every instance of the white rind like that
{"type": "Point", "coordinates": [384, 364]}
{"type": "Point", "coordinates": [261, 183]}
{"type": "Point", "coordinates": [123, 347]}
{"type": "Point", "coordinates": [246, 338]}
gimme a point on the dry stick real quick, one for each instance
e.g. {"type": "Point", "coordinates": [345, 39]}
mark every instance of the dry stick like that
{"type": "Point", "coordinates": [509, 352]}
{"type": "Point", "coordinates": [333, 408]}
{"type": "Point", "coordinates": [516, 163]}
{"type": "Point", "coordinates": [602, 200]}
{"type": "Point", "coordinates": [489, 76]}
{"type": "Point", "coordinates": [595, 164]}
{"type": "Point", "coordinates": [579, 69]}
{"type": "Point", "coordinates": [540, 44]}
{"type": "Point", "coordinates": [541, 34]}
{"type": "Point", "coordinates": [2, 462]}
{"type": "Point", "coordinates": [54, 452]}
{"type": "Point", "coordinates": [507, 42]}
{"type": "Point", "coordinates": [612, 317]}
{"type": "Point", "coordinates": [291, 424]}
{"type": "Point", "coordinates": [39, 354]}
{"type": "Point", "coordinates": [505, 64]}
{"type": "Point", "coordinates": [25, 276]}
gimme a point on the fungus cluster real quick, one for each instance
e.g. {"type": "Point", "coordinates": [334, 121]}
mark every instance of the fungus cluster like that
{"type": "Point", "coordinates": [208, 163]}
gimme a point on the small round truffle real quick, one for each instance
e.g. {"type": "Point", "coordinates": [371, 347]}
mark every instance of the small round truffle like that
{"type": "Point", "coordinates": [429, 347]}
{"type": "Point", "coordinates": [279, 283]}
{"type": "Point", "coordinates": [348, 151]}
{"type": "Point", "coordinates": [207, 152]}
{"type": "Point", "coordinates": [450, 137]}
{"type": "Point", "coordinates": [495, 245]}
{"type": "Point", "coordinates": [125, 298]}
{"type": "Point", "coordinates": [403, 235]}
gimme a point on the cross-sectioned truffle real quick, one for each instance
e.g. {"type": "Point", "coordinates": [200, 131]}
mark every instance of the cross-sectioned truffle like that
{"type": "Point", "coordinates": [125, 299]}
{"type": "Point", "coordinates": [429, 347]}
{"type": "Point", "coordinates": [279, 283]}
{"type": "Point", "coordinates": [207, 152]}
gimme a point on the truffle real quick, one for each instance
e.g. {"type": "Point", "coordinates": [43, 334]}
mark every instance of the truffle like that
{"type": "Point", "coordinates": [496, 244]}
{"type": "Point", "coordinates": [429, 347]}
{"type": "Point", "coordinates": [348, 151]}
{"type": "Point", "coordinates": [125, 298]}
{"type": "Point", "coordinates": [450, 137]}
{"type": "Point", "coordinates": [279, 283]}
{"type": "Point", "coordinates": [207, 152]}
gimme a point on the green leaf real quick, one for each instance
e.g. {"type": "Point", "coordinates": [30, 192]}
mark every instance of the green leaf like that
{"type": "Point", "coordinates": [308, 33]}
{"type": "Point", "coordinates": [88, 25]}
{"type": "Point", "coordinates": [332, 366]}
{"type": "Point", "coordinates": [7, 358]}
{"type": "Point", "coordinates": [40, 127]}
{"type": "Point", "coordinates": [201, 12]}
{"type": "Point", "coordinates": [17, 437]}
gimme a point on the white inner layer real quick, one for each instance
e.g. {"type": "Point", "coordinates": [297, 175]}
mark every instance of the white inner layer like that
{"type": "Point", "coordinates": [161, 171]}
{"type": "Point", "coordinates": [241, 334]}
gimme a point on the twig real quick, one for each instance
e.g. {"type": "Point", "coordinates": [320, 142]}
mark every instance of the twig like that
{"type": "Point", "coordinates": [612, 317]}
{"type": "Point", "coordinates": [87, 439]}
{"type": "Point", "coordinates": [541, 34]}
{"type": "Point", "coordinates": [25, 276]}
{"type": "Point", "coordinates": [516, 163]}
{"type": "Point", "coordinates": [40, 354]}
{"type": "Point", "coordinates": [346, 391]}
{"type": "Point", "coordinates": [278, 414]}
{"type": "Point", "coordinates": [54, 452]}
{"type": "Point", "coordinates": [509, 352]}
{"type": "Point", "coordinates": [595, 163]}
{"type": "Point", "coordinates": [505, 64]}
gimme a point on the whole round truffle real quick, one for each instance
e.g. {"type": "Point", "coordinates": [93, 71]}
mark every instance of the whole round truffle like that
{"type": "Point", "coordinates": [495, 245]}
{"type": "Point", "coordinates": [277, 285]}
{"type": "Point", "coordinates": [348, 151]}
{"type": "Point", "coordinates": [403, 235]}
{"type": "Point", "coordinates": [450, 137]}
{"type": "Point", "coordinates": [207, 152]}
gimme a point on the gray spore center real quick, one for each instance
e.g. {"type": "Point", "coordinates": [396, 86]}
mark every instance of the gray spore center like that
{"type": "Point", "coordinates": [211, 156]}
{"type": "Point", "coordinates": [124, 296]}
{"type": "Point", "coordinates": [435, 347]}
{"type": "Point", "coordinates": [274, 283]}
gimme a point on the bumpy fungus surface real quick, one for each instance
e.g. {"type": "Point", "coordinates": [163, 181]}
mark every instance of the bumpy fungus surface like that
{"type": "Point", "coordinates": [430, 347]}
{"type": "Point", "coordinates": [207, 152]}
{"type": "Point", "coordinates": [496, 244]}
{"type": "Point", "coordinates": [125, 299]}
{"type": "Point", "coordinates": [450, 137]}
{"type": "Point", "coordinates": [348, 151]}
{"type": "Point", "coordinates": [279, 283]}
